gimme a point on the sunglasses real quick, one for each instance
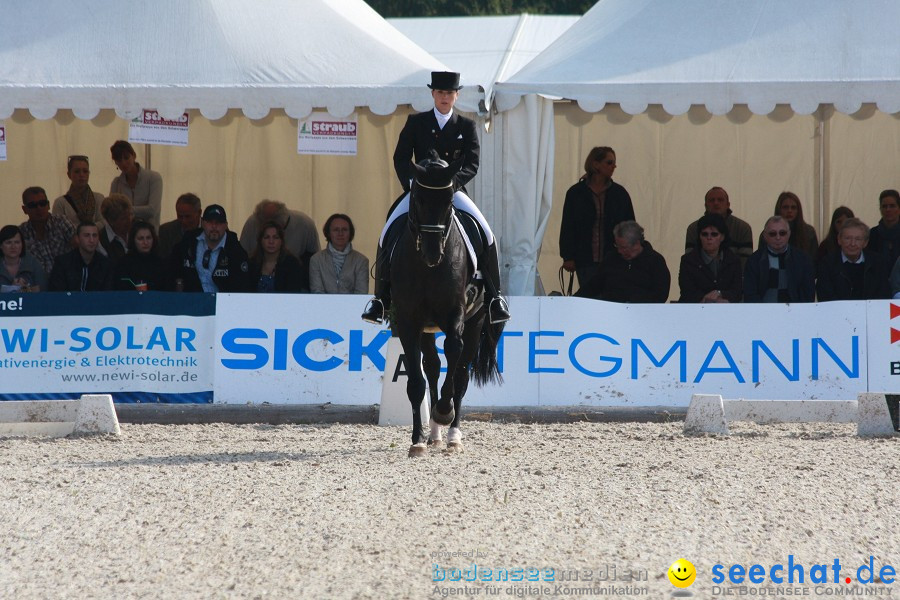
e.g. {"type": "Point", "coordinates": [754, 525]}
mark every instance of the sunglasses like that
{"type": "Point", "coordinates": [37, 204]}
{"type": "Point", "coordinates": [206, 257]}
{"type": "Point", "coordinates": [710, 234]}
{"type": "Point", "coordinates": [779, 233]}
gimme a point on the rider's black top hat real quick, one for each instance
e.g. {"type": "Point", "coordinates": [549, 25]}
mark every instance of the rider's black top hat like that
{"type": "Point", "coordinates": [444, 80]}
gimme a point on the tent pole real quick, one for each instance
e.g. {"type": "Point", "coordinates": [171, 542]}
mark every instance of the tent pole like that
{"type": "Point", "coordinates": [147, 156]}
{"type": "Point", "coordinates": [820, 134]}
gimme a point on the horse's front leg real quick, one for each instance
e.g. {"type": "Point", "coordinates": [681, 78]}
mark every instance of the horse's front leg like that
{"type": "Point", "coordinates": [432, 364]}
{"type": "Point", "coordinates": [415, 385]}
{"type": "Point", "coordinates": [445, 411]}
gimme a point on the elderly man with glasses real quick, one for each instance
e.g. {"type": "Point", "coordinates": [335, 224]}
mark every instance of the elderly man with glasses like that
{"type": "Point", "coordinates": [777, 272]}
{"type": "Point", "coordinates": [45, 235]}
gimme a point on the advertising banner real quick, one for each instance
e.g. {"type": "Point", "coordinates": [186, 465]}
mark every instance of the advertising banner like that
{"type": "Point", "coordinates": [2, 141]}
{"type": "Point", "coordinates": [554, 352]}
{"type": "Point", "coordinates": [321, 133]}
{"type": "Point", "coordinates": [883, 329]}
{"type": "Point", "coordinates": [150, 128]}
{"type": "Point", "coordinates": [140, 347]}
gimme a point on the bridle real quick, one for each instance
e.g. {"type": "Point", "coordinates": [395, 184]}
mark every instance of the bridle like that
{"type": "Point", "coordinates": [420, 229]}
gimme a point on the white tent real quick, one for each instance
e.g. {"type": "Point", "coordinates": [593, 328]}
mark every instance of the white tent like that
{"type": "Point", "coordinates": [211, 55]}
{"type": "Point", "coordinates": [486, 50]}
{"type": "Point", "coordinates": [72, 74]}
{"type": "Point", "coordinates": [755, 96]}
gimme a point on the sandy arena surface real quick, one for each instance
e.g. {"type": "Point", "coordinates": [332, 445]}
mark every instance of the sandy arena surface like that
{"type": "Point", "coordinates": [260, 511]}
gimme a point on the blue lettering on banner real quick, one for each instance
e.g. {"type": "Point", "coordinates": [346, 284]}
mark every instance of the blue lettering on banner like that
{"type": "Point", "coordinates": [592, 354]}
{"type": "Point", "coordinates": [257, 356]}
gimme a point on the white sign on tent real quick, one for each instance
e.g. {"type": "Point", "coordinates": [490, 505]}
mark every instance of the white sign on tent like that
{"type": "Point", "coordinates": [321, 133]}
{"type": "Point", "coordinates": [151, 128]}
{"type": "Point", "coordinates": [2, 141]}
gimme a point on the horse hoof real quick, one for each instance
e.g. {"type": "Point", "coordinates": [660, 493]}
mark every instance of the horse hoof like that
{"type": "Point", "coordinates": [417, 450]}
{"type": "Point", "coordinates": [454, 447]}
{"type": "Point", "coordinates": [436, 444]}
{"type": "Point", "coordinates": [442, 419]}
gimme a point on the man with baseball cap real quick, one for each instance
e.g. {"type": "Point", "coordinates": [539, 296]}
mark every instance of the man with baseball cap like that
{"type": "Point", "coordinates": [210, 259]}
{"type": "Point", "coordinates": [454, 138]}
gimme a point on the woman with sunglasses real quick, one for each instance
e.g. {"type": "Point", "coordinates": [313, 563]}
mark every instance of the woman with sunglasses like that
{"type": "Point", "coordinates": [19, 271]}
{"type": "Point", "coordinates": [593, 207]}
{"type": "Point", "coordinates": [711, 272]}
{"type": "Point", "coordinates": [80, 203]}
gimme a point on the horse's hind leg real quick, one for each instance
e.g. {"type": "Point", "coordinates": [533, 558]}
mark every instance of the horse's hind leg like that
{"type": "Point", "coordinates": [432, 364]}
{"type": "Point", "coordinates": [471, 336]}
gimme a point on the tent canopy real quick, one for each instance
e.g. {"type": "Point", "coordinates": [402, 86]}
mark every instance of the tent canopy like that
{"type": "Point", "coordinates": [211, 55]}
{"type": "Point", "coordinates": [484, 50]}
{"type": "Point", "coordinates": [719, 53]}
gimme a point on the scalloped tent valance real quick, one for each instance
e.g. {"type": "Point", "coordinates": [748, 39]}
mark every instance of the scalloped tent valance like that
{"type": "Point", "coordinates": [211, 55]}
{"type": "Point", "coordinates": [721, 53]}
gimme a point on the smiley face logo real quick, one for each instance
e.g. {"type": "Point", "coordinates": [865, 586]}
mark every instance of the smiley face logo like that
{"type": "Point", "coordinates": [682, 573]}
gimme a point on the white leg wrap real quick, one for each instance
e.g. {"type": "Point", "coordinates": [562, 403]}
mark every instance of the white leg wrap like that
{"type": "Point", "coordinates": [436, 432]}
{"type": "Point", "coordinates": [454, 435]}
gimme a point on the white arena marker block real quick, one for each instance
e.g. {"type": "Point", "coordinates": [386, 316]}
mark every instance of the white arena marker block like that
{"type": "Point", "coordinates": [395, 408]}
{"type": "Point", "coordinates": [706, 414]}
{"type": "Point", "coordinates": [96, 414]}
{"type": "Point", "coordinates": [873, 417]}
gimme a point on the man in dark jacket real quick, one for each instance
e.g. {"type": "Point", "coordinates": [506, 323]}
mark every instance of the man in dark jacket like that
{"type": "Point", "coordinates": [740, 235]}
{"type": "Point", "coordinates": [776, 272]}
{"type": "Point", "coordinates": [454, 138]}
{"type": "Point", "coordinates": [850, 273]}
{"type": "Point", "coordinates": [210, 259]}
{"type": "Point", "coordinates": [635, 273]}
{"type": "Point", "coordinates": [82, 269]}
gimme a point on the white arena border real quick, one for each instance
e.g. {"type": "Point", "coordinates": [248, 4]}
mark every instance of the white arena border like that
{"type": "Point", "coordinates": [710, 413]}
{"type": "Point", "coordinates": [92, 414]}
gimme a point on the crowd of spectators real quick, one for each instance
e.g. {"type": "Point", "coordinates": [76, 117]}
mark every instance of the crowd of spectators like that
{"type": "Point", "coordinates": [600, 241]}
{"type": "Point", "coordinates": [90, 242]}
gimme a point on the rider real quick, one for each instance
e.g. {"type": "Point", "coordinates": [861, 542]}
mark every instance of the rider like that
{"type": "Point", "coordinates": [454, 137]}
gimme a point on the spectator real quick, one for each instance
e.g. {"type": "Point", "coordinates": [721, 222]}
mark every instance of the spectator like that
{"type": "Point", "coordinates": [210, 259]}
{"type": "Point", "coordinates": [80, 203]}
{"type": "Point", "coordinates": [711, 272]}
{"type": "Point", "coordinates": [593, 207]}
{"type": "Point", "coordinates": [777, 272]}
{"type": "Point", "coordinates": [45, 235]}
{"type": "Point", "coordinates": [141, 268]}
{"type": "Point", "coordinates": [300, 234]}
{"type": "Point", "coordinates": [830, 243]}
{"type": "Point", "coordinates": [634, 273]}
{"type": "Point", "coordinates": [852, 273]}
{"type": "Point", "coordinates": [885, 237]}
{"type": "Point", "coordinates": [803, 235]}
{"type": "Point", "coordinates": [187, 218]}
{"type": "Point", "coordinates": [740, 235]}
{"type": "Point", "coordinates": [19, 271]}
{"type": "Point", "coordinates": [272, 266]}
{"type": "Point", "coordinates": [82, 269]}
{"type": "Point", "coordinates": [142, 186]}
{"type": "Point", "coordinates": [118, 216]}
{"type": "Point", "coordinates": [339, 269]}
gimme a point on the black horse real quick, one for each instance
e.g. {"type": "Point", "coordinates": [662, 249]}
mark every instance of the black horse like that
{"type": "Point", "coordinates": [431, 279]}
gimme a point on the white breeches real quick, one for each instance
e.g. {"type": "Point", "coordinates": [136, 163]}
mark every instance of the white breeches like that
{"type": "Point", "coordinates": [460, 200]}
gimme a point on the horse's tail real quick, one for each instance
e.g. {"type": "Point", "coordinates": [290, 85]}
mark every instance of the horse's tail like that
{"type": "Point", "coordinates": [484, 366]}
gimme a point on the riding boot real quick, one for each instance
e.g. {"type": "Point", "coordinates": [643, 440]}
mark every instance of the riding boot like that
{"type": "Point", "coordinates": [378, 307]}
{"type": "Point", "coordinates": [498, 309]}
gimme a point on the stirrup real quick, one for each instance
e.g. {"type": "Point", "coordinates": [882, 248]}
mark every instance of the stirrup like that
{"type": "Point", "coordinates": [498, 310]}
{"type": "Point", "coordinates": [374, 312]}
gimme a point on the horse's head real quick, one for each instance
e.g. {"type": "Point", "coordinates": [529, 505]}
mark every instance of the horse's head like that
{"type": "Point", "coordinates": [430, 207]}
